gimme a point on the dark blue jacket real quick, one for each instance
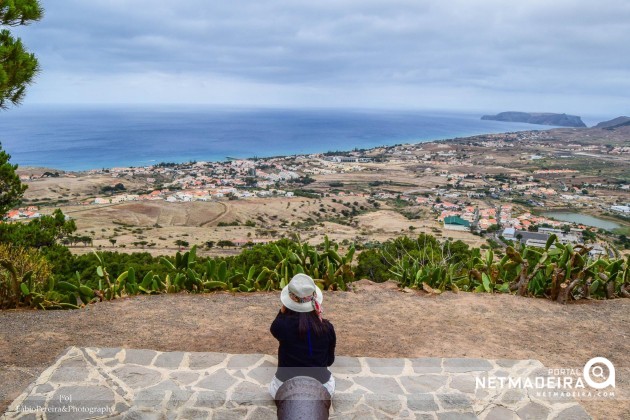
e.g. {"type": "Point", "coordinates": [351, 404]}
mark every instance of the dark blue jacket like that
{"type": "Point", "coordinates": [296, 357]}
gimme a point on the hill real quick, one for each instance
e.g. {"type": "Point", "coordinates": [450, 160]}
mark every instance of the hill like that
{"type": "Point", "coordinates": [614, 123]}
{"type": "Point", "coordinates": [561, 120]}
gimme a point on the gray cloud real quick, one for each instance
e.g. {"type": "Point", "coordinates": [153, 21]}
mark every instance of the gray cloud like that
{"type": "Point", "coordinates": [336, 52]}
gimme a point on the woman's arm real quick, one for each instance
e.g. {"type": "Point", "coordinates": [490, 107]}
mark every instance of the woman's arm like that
{"type": "Point", "coordinates": [277, 326]}
{"type": "Point", "coordinates": [333, 344]}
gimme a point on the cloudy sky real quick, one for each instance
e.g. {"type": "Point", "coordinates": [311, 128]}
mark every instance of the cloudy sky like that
{"type": "Point", "coordinates": [490, 55]}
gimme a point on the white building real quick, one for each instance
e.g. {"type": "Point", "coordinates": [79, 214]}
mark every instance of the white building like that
{"type": "Point", "coordinates": [508, 233]}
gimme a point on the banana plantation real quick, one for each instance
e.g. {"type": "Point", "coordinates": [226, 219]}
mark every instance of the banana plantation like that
{"type": "Point", "coordinates": [560, 272]}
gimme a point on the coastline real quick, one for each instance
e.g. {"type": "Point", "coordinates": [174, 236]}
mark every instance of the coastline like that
{"type": "Point", "coordinates": [82, 140]}
{"type": "Point", "coordinates": [27, 168]}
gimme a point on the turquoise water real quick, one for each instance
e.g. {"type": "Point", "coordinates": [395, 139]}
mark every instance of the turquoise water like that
{"type": "Point", "coordinates": [583, 219]}
{"type": "Point", "coordinates": [72, 138]}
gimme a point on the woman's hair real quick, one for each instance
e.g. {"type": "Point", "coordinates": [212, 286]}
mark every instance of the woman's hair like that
{"type": "Point", "coordinates": [309, 320]}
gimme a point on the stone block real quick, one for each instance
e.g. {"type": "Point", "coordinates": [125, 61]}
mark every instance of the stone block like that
{"type": "Point", "coordinates": [506, 363]}
{"type": "Point", "coordinates": [137, 377]}
{"type": "Point", "coordinates": [108, 352]}
{"type": "Point", "coordinates": [169, 360]}
{"type": "Point", "coordinates": [210, 399]}
{"type": "Point", "coordinates": [139, 357]}
{"type": "Point", "coordinates": [426, 365]}
{"type": "Point", "coordinates": [218, 381]}
{"type": "Point", "coordinates": [362, 411]}
{"type": "Point", "coordinates": [264, 373]}
{"type": "Point", "coordinates": [75, 369]}
{"type": "Point", "coordinates": [423, 383]}
{"type": "Point", "coordinates": [464, 383]}
{"type": "Point", "coordinates": [573, 413]}
{"type": "Point", "coordinates": [345, 365]}
{"type": "Point", "coordinates": [390, 404]}
{"type": "Point", "coordinates": [342, 385]}
{"type": "Point", "coordinates": [150, 398]}
{"type": "Point", "coordinates": [425, 416]}
{"type": "Point", "coordinates": [43, 389]}
{"type": "Point", "coordinates": [193, 414]}
{"type": "Point", "coordinates": [422, 402]}
{"type": "Point", "coordinates": [501, 413]}
{"type": "Point", "coordinates": [456, 415]}
{"type": "Point", "coordinates": [345, 402]}
{"type": "Point", "coordinates": [379, 385]}
{"type": "Point", "coordinates": [454, 401]}
{"type": "Point", "coordinates": [229, 414]}
{"type": "Point", "coordinates": [533, 411]}
{"type": "Point", "coordinates": [262, 413]}
{"type": "Point", "coordinates": [155, 395]}
{"type": "Point", "coordinates": [178, 399]}
{"type": "Point", "coordinates": [243, 361]}
{"type": "Point", "coordinates": [248, 393]}
{"type": "Point", "coordinates": [513, 396]}
{"type": "Point", "coordinates": [121, 408]}
{"type": "Point", "coordinates": [205, 360]}
{"type": "Point", "coordinates": [459, 365]}
{"type": "Point", "coordinates": [385, 366]}
{"type": "Point", "coordinates": [184, 377]}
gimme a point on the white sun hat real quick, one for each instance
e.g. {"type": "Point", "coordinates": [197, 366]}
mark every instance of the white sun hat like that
{"type": "Point", "coordinates": [302, 294]}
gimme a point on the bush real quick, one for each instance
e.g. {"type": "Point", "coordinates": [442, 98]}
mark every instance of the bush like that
{"type": "Point", "coordinates": [373, 265]}
{"type": "Point", "coordinates": [20, 265]}
{"type": "Point", "coordinates": [112, 189]}
{"type": "Point", "coordinates": [225, 243]}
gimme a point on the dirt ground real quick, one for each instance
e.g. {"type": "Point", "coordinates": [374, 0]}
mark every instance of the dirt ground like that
{"type": "Point", "coordinates": [375, 320]}
{"type": "Point", "coordinates": [161, 223]}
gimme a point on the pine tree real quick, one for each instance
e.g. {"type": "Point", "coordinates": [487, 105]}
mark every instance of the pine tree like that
{"type": "Point", "coordinates": [11, 189]}
{"type": "Point", "coordinates": [18, 67]}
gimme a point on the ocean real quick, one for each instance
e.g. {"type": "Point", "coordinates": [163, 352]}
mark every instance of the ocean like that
{"type": "Point", "coordinates": [81, 138]}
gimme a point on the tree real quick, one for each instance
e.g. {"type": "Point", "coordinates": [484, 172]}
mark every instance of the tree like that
{"type": "Point", "coordinates": [373, 265]}
{"type": "Point", "coordinates": [493, 228]}
{"type": "Point", "coordinates": [225, 243]}
{"type": "Point", "coordinates": [588, 235]}
{"type": "Point", "coordinates": [38, 233]}
{"type": "Point", "coordinates": [11, 189]}
{"type": "Point", "coordinates": [181, 243]}
{"type": "Point", "coordinates": [18, 67]}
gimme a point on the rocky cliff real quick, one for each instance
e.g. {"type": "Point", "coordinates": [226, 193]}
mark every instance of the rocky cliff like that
{"type": "Point", "coordinates": [614, 123]}
{"type": "Point", "coordinates": [561, 120]}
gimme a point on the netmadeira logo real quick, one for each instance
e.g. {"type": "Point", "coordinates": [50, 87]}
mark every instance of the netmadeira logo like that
{"type": "Point", "coordinates": [596, 379]}
{"type": "Point", "coordinates": [592, 369]}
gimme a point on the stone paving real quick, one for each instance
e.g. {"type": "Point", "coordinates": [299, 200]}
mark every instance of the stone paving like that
{"type": "Point", "coordinates": [145, 384]}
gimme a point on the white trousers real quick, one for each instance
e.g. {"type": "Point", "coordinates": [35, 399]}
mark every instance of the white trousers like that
{"type": "Point", "coordinates": [276, 383]}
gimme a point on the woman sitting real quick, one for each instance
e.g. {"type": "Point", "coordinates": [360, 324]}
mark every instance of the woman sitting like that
{"type": "Point", "coordinates": [307, 341]}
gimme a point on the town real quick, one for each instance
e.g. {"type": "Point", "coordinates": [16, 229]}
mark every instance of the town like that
{"type": "Point", "coordinates": [500, 186]}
